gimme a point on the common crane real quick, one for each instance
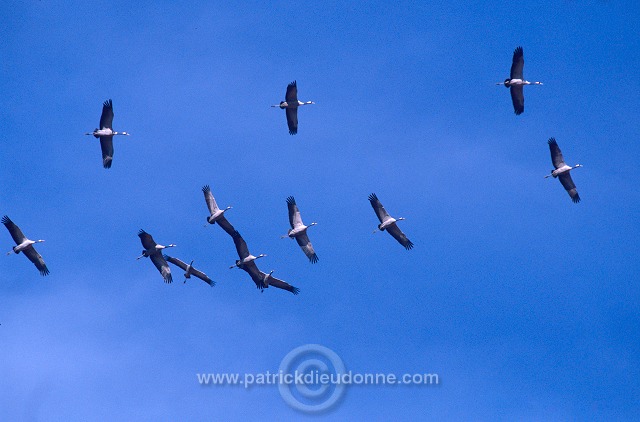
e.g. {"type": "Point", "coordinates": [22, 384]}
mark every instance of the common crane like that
{"type": "Point", "coordinates": [25, 246]}
{"type": "Point", "coordinates": [264, 280]}
{"type": "Point", "coordinates": [189, 270]}
{"type": "Point", "coordinates": [154, 251]}
{"type": "Point", "coordinates": [562, 170]}
{"type": "Point", "coordinates": [261, 279]}
{"type": "Point", "coordinates": [216, 214]}
{"type": "Point", "coordinates": [106, 133]}
{"type": "Point", "coordinates": [516, 81]}
{"type": "Point", "coordinates": [388, 223]}
{"type": "Point", "coordinates": [298, 230]}
{"type": "Point", "coordinates": [243, 251]}
{"type": "Point", "coordinates": [291, 104]}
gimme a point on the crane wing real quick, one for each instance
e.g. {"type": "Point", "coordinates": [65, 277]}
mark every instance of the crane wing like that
{"type": "Point", "coordinates": [307, 247]}
{"type": "Point", "coordinates": [162, 266]}
{"type": "Point", "coordinates": [567, 182]}
{"type": "Point", "coordinates": [292, 93]}
{"type": "Point", "coordinates": [292, 120]}
{"type": "Point", "coordinates": [146, 239]}
{"type": "Point", "coordinates": [517, 65]}
{"type": "Point", "coordinates": [295, 220]}
{"type": "Point", "coordinates": [517, 98]}
{"type": "Point", "coordinates": [226, 226]}
{"type": "Point", "coordinates": [241, 245]}
{"type": "Point", "coordinates": [14, 230]}
{"type": "Point", "coordinates": [208, 197]}
{"type": "Point", "coordinates": [397, 234]}
{"type": "Point", "coordinates": [176, 262]}
{"type": "Point", "coordinates": [556, 154]}
{"type": "Point", "coordinates": [37, 260]}
{"type": "Point", "coordinates": [106, 144]}
{"type": "Point", "coordinates": [106, 119]}
{"type": "Point", "coordinates": [275, 282]}
{"type": "Point", "coordinates": [378, 208]}
{"type": "Point", "coordinates": [202, 276]}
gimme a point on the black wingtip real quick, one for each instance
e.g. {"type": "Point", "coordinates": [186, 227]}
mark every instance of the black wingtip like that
{"type": "Point", "coordinates": [576, 199]}
{"type": "Point", "coordinates": [44, 271]}
{"type": "Point", "coordinates": [293, 132]}
{"type": "Point", "coordinates": [106, 163]}
{"type": "Point", "coordinates": [518, 51]}
{"type": "Point", "coordinates": [206, 189]}
{"type": "Point", "coordinates": [141, 232]}
{"type": "Point", "coordinates": [295, 290]}
{"type": "Point", "coordinates": [291, 200]}
{"type": "Point", "coordinates": [373, 197]}
{"type": "Point", "coordinates": [108, 103]}
{"type": "Point", "coordinates": [552, 141]}
{"type": "Point", "coordinates": [409, 246]}
{"type": "Point", "coordinates": [169, 279]}
{"type": "Point", "coordinates": [6, 220]}
{"type": "Point", "coordinates": [314, 258]}
{"type": "Point", "coordinates": [518, 111]}
{"type": "Point", "coordinates": [294, 83]}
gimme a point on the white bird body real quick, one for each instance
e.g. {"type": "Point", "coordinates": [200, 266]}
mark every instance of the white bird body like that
{"type": "Point", "coordinates": [564, 169]}
{"type": "Point", "coordinates": [154, 250]}
{"type": "Point", "coordinates": [240, 263]}
{"type": "Point", "coordinates": [515, 82]}
{"type": "Point", "coordinates": [293, 104]}
{"type": "Point", "coordinates": [217, 215]}
{"type": "Point", "coordinates": [389, 221]}
{"type": "Point", "coordinates": [105, 131]}
{"type": "Point", "coordinates": [298, 230]}
{"type": "Point", "coordinates": [561, 170]}
{"type": "Point", "coordinates": [24, 245]}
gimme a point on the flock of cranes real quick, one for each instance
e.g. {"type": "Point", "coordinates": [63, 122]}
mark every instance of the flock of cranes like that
{"type": "Point", "coordinates": [245, 261]}
{"type": "Point", "coordinates": [298, 230]}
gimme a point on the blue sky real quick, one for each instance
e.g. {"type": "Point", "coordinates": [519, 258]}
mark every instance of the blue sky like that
{"type": "Point", "coordinates": [524, 303]}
